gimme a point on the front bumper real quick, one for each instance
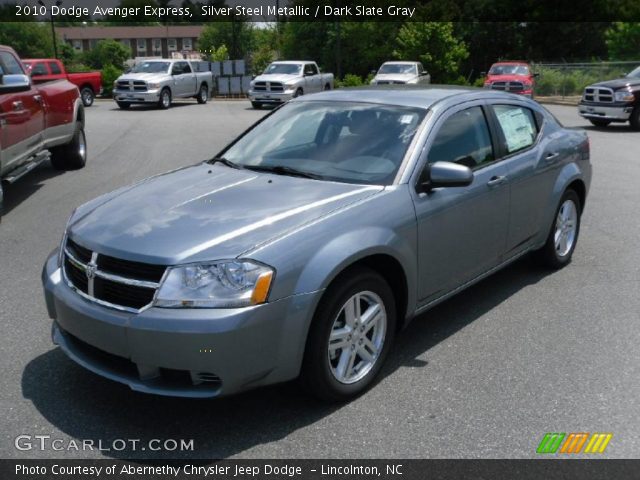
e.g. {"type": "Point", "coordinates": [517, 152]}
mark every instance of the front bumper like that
{"type": "Point", "coordinates": [149, 96]}
{"type": "Point", "coordinates": [181, 352]}
{"type": "Point", "coordinates": [613, 112]}
{"type": "Point", "coordinates": [269, 97]}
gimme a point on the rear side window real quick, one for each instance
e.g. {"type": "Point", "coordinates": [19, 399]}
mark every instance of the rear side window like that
{"type": "Point", "coordinates": [39, 69]}
{"type": "Point", "coordinates": [518, 126]}
{"type": "Point", "coordinates": [55, 68]}
{"type": "Point", "coordinates": [463, 138]}
{"type": "Point", "coordinates": [9, 64]}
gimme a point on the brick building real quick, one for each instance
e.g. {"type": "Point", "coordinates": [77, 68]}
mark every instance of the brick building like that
{"type": "Point", "coordinates": [144, 41]}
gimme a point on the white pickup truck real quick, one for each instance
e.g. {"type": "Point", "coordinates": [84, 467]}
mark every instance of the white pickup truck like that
{"type": "Point", "coordinates": [282, 81]}
{"type": "Point", "coordinates": [160, 81]}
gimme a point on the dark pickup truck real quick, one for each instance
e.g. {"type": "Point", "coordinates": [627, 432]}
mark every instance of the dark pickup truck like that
{"type": "Point", "coordinates": [37, 122]}
{"type": "Point", "coordinates": [613, 101]}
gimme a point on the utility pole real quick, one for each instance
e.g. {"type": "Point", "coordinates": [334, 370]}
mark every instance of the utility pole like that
{"type": "Point", "coordinates": [53, 28]}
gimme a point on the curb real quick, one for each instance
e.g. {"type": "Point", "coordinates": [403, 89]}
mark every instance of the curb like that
{"type": "Point", "coordinates": [567, 102]}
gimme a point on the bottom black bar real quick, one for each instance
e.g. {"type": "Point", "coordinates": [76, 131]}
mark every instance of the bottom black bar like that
{"type": "Point", "coordinates": [319, 469]}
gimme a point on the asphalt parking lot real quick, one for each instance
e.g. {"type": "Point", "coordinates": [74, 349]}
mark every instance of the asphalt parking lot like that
{"type": "Point", "coordinates": [486, 374]}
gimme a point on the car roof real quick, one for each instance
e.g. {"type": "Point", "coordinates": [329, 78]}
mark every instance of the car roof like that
{"type": "Point", "coordinates": [293, 62]}
{"type": "Point", "coordinates": [405, 95]}
{"type": "Point", "coordinates": [399, 62]}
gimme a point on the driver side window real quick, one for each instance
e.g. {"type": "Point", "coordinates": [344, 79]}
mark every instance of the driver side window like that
{"type": "Point", "coordinates": [463, 138]}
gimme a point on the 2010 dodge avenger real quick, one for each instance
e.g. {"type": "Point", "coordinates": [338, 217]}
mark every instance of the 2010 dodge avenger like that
{"type": "Point", "coordinates": [302, 248]}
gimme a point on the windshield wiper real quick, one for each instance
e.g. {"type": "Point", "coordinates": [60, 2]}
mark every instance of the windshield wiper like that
{"type": "Point", "coordinates": [282, 170]}
{"type": "Point", "coordinates": [226, 162]}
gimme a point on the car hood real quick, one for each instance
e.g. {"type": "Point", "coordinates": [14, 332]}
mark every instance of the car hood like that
{"type": "Point", "coordinates": [508, 78]}
{"type": "Point", "coordinates": [395, 77]}
{"type": "Point", "coordinates": [619, 83]}
{"type": "Point", "coordinates": [206, 212]}
{"type": "Point", "coordinates": [276, 77]}
{"type": "Point", "coordinates": [143, 76]}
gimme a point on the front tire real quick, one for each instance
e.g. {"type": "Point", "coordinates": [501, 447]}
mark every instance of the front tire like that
{"type": "Point", "coordinates": [87, 96]}
{"type": "Point", "coordinates": [298, 93]}
{"type": "Point", "coordinates": [634, 120]}
{"type": "Point", "coordinates": [563, 235]}
{"type": "Point", "coordinates": [351, 334]}
{"type": "Point", "coordinates": [203, 94]}
{"type": "Point", "coordinates": [165, 99]}
{"type": "Point", "coordinates": [123, 105]}
{"type": "Point", "coordinates": [73, 155]}
{"type": "Point", "coordinates": [599, 123]}
{"type": "Point", "coordinates": [256, 105]}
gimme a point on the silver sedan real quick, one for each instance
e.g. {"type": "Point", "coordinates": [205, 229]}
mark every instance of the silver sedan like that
{"type": "Point", "coordinates": [305, 246]}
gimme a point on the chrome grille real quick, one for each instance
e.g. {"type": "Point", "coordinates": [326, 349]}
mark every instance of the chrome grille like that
{"type": "Point", "coordinates": [132, 85]}
{"type": "Point", "coordinates": [110, 281]}
{"type": "Point", "coordinates": [598, 94]}
{"type": "Point", "coordinates": [268, 87]}
{"type": "Point", "coordinates": [508, 86]}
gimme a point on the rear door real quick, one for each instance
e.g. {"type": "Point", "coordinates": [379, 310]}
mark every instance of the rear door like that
{"type": "Point", "coordinates": [532, 161]}
{"type": "Point", "coordinates": [461, 230]}
{"type": "Point", "coordinates": [312, 78]}
{"type": "Point", "coordinates": [20, 136]}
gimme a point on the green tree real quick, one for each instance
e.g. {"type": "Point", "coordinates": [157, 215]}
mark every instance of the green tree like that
{"type": "Point", "coordinates": [435, 45]}
{"type": "Point", "coordinates": [237, 35]}
{"type": "Point", "coordinates": [28, 39]}
{"type": "Point", "coordinates": [623, 41]}
{"type": "Point", "coordinates": [107, 52]}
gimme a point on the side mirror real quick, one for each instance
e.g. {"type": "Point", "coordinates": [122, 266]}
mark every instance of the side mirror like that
{"type": "Point", "coordinates": [445, 174]}
{"type": "Point", "coordinates": [14, 83]}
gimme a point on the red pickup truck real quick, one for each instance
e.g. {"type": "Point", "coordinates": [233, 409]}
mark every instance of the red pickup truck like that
{"type": "Point", "coordinates": [37, 122]}
{"type": "Point", "coordinates": [514, 77]}
{"type": "Point", "coordinates": [47, 69]}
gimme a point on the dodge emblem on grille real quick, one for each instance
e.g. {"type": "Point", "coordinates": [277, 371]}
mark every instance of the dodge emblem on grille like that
{"type": "Point", "coordinates": [90, 271]}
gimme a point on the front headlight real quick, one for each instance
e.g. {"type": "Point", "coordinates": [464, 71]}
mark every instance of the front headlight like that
{"type": "Point", "coordinates": [222, 284]}
{"type": "Point", "coordinates": [412, 81]}
{"type": "Point", "coordinates": [624, 96]}
{"type": "Point", "coordinates": [153, 86]}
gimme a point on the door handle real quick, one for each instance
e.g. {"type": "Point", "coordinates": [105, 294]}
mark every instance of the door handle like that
{"type": "Point", "coordinates": [497, 180]}
{"type": "Point", "coordinates": [551, 157]}
{"type": "Point", "coordinates": [18, 105]}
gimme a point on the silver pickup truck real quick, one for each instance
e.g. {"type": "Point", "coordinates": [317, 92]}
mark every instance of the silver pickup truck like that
{"type": "Point", "coordinates": [400, 73]}
{"type": "Point", "coordinates": [282, 81]}
{"type": "Point", "coordinates": [160, 81]}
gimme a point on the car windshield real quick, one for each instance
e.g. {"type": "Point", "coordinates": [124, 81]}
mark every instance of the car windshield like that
{"type": "Point", "coordinates": [151, 67]}
{"type": "Point", "coordinates": [635, 73]}
{"type": "Point", "coordinates": [509, 70]}
{"type": "Point", "coordinates": [283, 68]}
{"type": "Point", "coordinates": [397, 68]}
{"type": "Point", "coordinates": [340, 141]}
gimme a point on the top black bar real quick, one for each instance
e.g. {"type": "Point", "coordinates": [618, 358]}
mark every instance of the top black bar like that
{"type": "Point", "coordinates": [327, 10]}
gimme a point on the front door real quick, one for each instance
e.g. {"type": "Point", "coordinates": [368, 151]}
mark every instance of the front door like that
{"type": "Point", "coordinates": [461, 230]}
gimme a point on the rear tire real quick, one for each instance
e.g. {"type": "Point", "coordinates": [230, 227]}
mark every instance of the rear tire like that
{"type": "Point", "coordinates": [203, 94]}
{"type": "Point", "coordinates": [563, 235]}
{"type": "Point", "coordinates": [165, 99]}
{"type": "Point", "coordinates": [356, 316]}
{"type": "Point", "coordinates": [327, 87]}
{"type": "Point", "coordinates": [256, 105]}
{"type": "Point", "coordinates": [87, 96]}
{"type": "Point", "coordinates": [123, 105]}
{"type": "Point", "coordinates": [73, 155]}
{"type": "Point", "coordinates": [599, 123]}
{"type": "Point", "coordinates": [634, 120]}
